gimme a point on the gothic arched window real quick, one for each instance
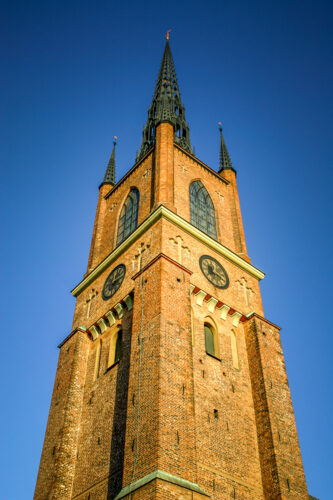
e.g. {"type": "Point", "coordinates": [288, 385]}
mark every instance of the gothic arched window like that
{"type": "Point", "coordinates": [128, 219]}
{"type": "Point", "coordinates": [202, 209]}
{"type": "Point", "coordinates": [115, 348]}
{"type": "Point", "coordinates": [117, 353]}
{"type": "Point", "coordinates": [211, 341]}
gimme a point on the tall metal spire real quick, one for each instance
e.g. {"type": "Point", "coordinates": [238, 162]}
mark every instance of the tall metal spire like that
{"type": "Point", "coordinates": [110, 174]}
{"type": "Point", "coordinates": [166, 106]}
{"type": "Point", "coordinates": [225, 162]}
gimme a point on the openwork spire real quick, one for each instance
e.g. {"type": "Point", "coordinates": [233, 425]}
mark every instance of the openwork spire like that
{"type": "Point", "coordinates": [166, 106]}
{"type": "Point", "coordinates": [110, 174]}
{"type": "Point", "coordinates": [225, 162]}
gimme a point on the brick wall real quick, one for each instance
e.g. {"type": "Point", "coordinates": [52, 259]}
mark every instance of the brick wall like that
{"type": "Point", "coordinates": [167, 405]}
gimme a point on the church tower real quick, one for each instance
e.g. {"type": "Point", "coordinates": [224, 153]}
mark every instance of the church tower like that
{"type": "Point", "coordinates": [172, 383]}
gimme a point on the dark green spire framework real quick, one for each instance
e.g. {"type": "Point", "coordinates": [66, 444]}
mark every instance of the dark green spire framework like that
{"type": "Point", "coordinates": [225, 162]}
{"type": "Point", "coordinates": [110, 174]}
{"type": "Point", "coordinates": [166, 107]}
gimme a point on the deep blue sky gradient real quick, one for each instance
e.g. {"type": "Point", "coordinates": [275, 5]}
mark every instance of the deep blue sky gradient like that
{"type": "Point", "coordinates": [76, 73]}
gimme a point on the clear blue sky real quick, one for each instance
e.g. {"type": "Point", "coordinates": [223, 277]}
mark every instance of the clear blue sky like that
{"type": "Point", "coordinates": [76, 73]}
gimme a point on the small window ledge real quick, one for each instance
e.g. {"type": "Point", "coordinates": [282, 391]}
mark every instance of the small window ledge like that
{"type": "Point", "coordinates": [112, 366]}
{"type": "Point", "coordinates": [212, 356]}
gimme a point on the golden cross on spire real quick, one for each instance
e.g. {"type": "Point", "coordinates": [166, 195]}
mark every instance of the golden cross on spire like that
{"type": "Point", "coordinates": [167, 36]}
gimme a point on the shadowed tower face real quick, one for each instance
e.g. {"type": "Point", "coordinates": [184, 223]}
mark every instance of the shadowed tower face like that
{"type": "Point", "coordinates": [172, 383]}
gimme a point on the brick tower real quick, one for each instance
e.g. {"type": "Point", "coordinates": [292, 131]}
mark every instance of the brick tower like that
{"type": "Point", "coordinates": [172, 383]}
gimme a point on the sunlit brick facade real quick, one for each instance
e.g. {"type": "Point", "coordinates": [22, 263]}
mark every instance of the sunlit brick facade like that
{"type": "Point", "coordinates": [143, 406]}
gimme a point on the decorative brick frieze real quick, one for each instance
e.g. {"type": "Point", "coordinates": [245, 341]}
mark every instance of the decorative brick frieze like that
{"type": "Point", "coordinates": [201, 297]}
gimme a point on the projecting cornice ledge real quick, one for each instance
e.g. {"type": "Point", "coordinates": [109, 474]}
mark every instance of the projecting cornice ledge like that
{"type": "Point", "coordinates": [164, 476]}
{"type": "Point", "coordinates": [178, 221]}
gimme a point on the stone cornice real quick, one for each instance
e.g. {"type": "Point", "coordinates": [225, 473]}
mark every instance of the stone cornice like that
{"type": "Point", "coordinates": [181, 223]}
{"type": "Point", "coordinates": [77, 329]}
{"type": "Point", "coordinates": [255, 315]}
{"type": "Point", "coordinates": [164, 476]}
{"type": "Point", "coordinates": [161, 255]}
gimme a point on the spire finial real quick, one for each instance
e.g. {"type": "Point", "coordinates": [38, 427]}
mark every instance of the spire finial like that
{"type": "Point", "coordinates": [225, 162]}
{"type": "Point", "coordinates": [110, 174]}
{"type": "Point", "coordinates": [166, 106]}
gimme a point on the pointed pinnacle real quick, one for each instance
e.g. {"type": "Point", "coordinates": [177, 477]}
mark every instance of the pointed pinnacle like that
{"type": "Point", "coordinates": [225, 162]}
{"type": "Point", "coordinates": [110, 174]}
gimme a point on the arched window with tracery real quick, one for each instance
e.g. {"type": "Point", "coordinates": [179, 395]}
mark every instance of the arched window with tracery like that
{"type": "Point", "coordinates": [128, 219]}
{"type": "Point", "coordinates": [202, 209]}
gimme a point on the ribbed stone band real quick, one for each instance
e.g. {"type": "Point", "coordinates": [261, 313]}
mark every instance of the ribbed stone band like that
{"type": "Point", "coordinates": [164, 476]}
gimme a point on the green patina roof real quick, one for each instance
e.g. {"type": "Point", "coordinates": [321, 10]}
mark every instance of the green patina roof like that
{"type": "Point", "coordinates": [166, 106]}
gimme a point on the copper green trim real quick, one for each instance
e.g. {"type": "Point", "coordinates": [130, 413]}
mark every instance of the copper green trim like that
{"type": "Point", "coordinates": [164, 476]}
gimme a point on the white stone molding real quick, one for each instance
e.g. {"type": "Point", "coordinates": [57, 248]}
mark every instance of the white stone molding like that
{"type": "Point", "coordinates": [200, 295]}
{"type": "Point", "coordinates": [111, 317]}
{"type": "Point", "coordinates": [175, 219]}
{"type": "Point", "coordinates": [102, 324]}
{"type": "Point", "coordinates": [235, 318]}
{"type": "Point", "coordinates": [120, 310]}
{"type": "Point", "coordinates": [192, 287]}
{"type": "Point", "coordinates": [211, 303]}
{"type": "Point", "coordinates": [94, 332]}
{"type": "Point", "coordinates": [224, 311]}
{"type": "Point", "coordinates": [129, 302]}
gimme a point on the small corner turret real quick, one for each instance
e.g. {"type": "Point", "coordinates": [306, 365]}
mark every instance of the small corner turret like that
{"type": "Point", "coordinates": [225, 162]}
{"type": "Point", "coordinates": [110, 174]}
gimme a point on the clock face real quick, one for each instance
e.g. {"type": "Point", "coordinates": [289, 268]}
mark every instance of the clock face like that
{"type": "Point", "coordinates": [113, 281]}
{"type": "Point", "coordinates": [214, 272]}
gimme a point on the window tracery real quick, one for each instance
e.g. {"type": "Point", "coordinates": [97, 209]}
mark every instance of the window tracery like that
{"type": "Point", "coordinates": [128, 219]}
{"type": "Point", "coordinates": [202, 209]}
